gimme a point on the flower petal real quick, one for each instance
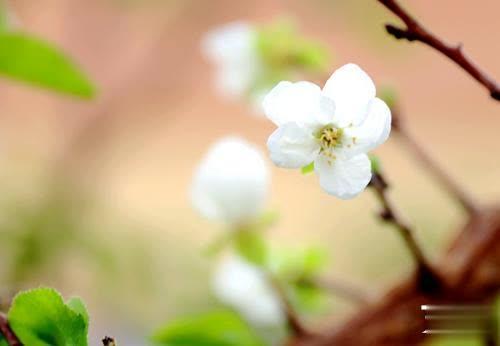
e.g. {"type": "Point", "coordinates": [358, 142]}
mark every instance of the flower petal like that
{"type": "Point", "coordinates": [292, 146]}
{"type": "Point", "coordinates": [231, 183]}
{"type": "Point", "coordinates": [351, 89]}
{"type": "Point", "coordinates": [371, 133]}
{"type": "Point", "coordinates": [300, 102]}
{"type": "Point", "coordinates": [232, 49]}
{"type": "Point", "coordinates": [343, 178]}
{"type": "Point", "coordinates": [246, 288]}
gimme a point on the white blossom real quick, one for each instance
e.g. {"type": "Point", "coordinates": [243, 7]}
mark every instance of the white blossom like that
{"type": "Point", "coordinates": [247, 289]}
{"type": "Point", "coordinates": [231, 183]}
{"type": "Point", "coordinates": [232, 48]}
{"type": "Point", "coordinates": [333, 128]}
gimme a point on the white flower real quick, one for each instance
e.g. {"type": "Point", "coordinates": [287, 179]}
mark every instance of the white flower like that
{"type": "Point", "coordinates": [332, 128]}
{"type": "Point", "coordinates": [232, 48]}
{"type": "Point", "coordinates": [231, 183]}
{"type": "Point", "coordinates": [247, 289]}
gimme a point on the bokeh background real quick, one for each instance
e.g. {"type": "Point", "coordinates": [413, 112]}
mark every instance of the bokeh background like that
{"type": "Point", "coordinates": [95, 193]}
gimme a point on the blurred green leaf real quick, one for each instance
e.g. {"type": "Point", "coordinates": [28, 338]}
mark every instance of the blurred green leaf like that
{"type": "Point", "coordinates": [298, 264]}
{"type": "Point", "coordinates": [388, 95]}
{"type": "Point", "coordinates": [221, 328]}
{"type": "Point", "coordinates": [308, 297]}
{"type": "Point", "coordinates": [32, 60]}
{"type": "Point", "coordinates": [455, 341]}
{"type": "Point", "coordinates": [251, 245]}
{"type": "Point", "coordinates": [282, 48]}
{"type": "Point", "coordinates": [4, 18]}
{"type": "Point", "coordinates": [40, 317]}
{"type": "Point", "coordinates": [308, 169]}
{"type": "Point", "coordinates": [297, 269]}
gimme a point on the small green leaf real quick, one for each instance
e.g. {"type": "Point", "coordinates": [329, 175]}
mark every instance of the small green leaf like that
{"type": "Point", "coordinates": [32, 60]}
{"type": "Point", "coordinates": [388, 95]}
{"type": "Point", "coordinates": [221, 328]}
{"type": "Point", "coordinates": [40, 317]}
{"type": "Point", "coordinates": [375, 162]}
{"type": "Point", "coordinates": [252, 246]}
{"type": "Point", "coordinates": [308, 169]}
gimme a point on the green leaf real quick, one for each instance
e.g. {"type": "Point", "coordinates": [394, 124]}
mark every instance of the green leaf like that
{"type": "Point", "coordinates": [252, 246]}
{"type": "Point", "coordinates": [375, 162]}
{"type": "Point", "coordinates": [308, 169]}
{"type": "Point", "coordinates": [35, 61]}
{"type": "Point", "coordinates": [221, 328]}
{"type": "Point", "coordinates": [40, 317]}
{"type": "Point", "coordinates": [77, 305]}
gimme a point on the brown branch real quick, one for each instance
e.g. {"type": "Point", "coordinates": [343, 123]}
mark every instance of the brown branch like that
{"type": "Point", "coordinates": [414, 31]}
{"type": "Point", "coordinates": [428, 279]}
{"type": "Point", "coordinates": [428, 162]}
{"type": "Point", "coordinates": [471, 271]}
{"type": "Point", "coordinates": [7, 332]}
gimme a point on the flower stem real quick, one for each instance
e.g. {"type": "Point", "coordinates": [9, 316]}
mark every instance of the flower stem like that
{"type": "Point", "coordinates": [426, 276]}
{"type": "Point", "coordinates": [293, 320]}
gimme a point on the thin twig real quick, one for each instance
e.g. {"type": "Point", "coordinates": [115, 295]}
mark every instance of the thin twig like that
{"type": "Point", "coordinates": [7, 332]}
{"type": "Point", "coordinates": [340, 288]}
{"type": "Point", "coordinates": [293, 320]}
{"type": "Point", "coordinates": [414, 31]}
{"type": "Point", "coordinates": [427, 277]}
{"type": "Point", "coordinates": [426, 159]}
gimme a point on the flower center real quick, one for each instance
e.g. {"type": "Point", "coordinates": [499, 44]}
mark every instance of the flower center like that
{"type": "Point", "coordinates": [329, 137]}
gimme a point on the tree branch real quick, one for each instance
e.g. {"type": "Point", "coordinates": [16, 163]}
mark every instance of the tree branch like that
{"type": "Point", "coordinates": [449, 184]}
{"type": "Point", "coordinates": [427, 278]}
{"type": "Point", "coordinates": [7, 332]}
{"type": "Point", "coordinates": [414, 31]}
{"type": "Point", "coordinates": [471, 271]}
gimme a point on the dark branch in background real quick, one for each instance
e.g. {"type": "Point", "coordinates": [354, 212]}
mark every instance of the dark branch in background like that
{"type": "Point", "coordinates": [414, 31]}
{"type": "Point", "coordinates": [454, 189]}
{"type": "Point", "coordinates": [7, 333]}
{"type": "Point", "coordinates": [427, 278]}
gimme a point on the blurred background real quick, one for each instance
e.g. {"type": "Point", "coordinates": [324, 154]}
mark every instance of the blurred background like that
{"type": "Point", "coordinates": [95, 193]}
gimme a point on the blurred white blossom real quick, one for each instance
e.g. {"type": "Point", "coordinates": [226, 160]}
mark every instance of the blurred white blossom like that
{"type": "Point", "coordinates": [232, 48]}
{"type": "Point", "coordinates": [331, 128]}
{"type": "Point", "coordinates": [231, 183]}
{"type": "Point", "coordinates": [247, 289]}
